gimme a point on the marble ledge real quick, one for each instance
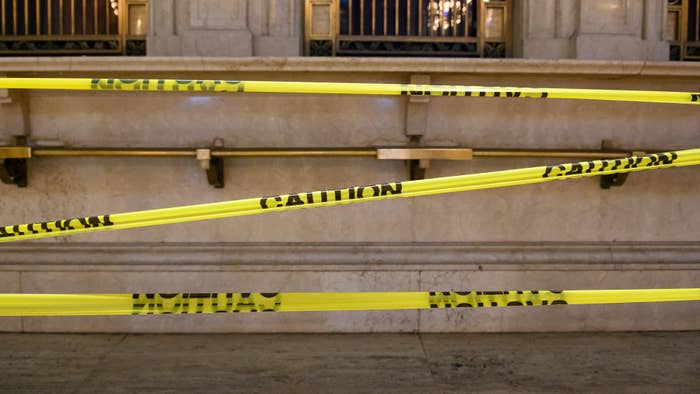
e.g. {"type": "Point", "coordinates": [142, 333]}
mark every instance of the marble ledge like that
{"type": "Point", "coordinates": [509, 256]}
{"type": "Point", "coordinates": [67, 66]}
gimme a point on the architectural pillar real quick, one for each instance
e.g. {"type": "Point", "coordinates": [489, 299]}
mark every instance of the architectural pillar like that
{"type": "Point", "coordinates": [225, 28]}
{"type": "Point", "coordinates": [276, 26]}
{"type": "Point", "coordinates": [592, 29]}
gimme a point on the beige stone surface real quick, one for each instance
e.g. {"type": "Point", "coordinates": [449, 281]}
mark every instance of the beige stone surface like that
{"type": "Point", "coordinates": [591, 29]}
{"type": "Point", "coordinates": [655, 206]}
{"type": "Point", "coordinates": [612, 17]}
{"type": "Point", "coordinates": [52, 363]}
{"type": "Point", "coordinates": [197, 267]}
{"type": "Point", "coordinates": [569, 211]}
{"type": "Point", "coordinates": [226, 28]}
{"type": "Point", "coordinates": [560, 211]}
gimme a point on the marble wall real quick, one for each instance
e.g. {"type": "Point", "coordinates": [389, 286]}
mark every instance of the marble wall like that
{"type": "Point", "coordinates": [591, 29]}
{"type": "Point", "coordinates": [542, 29]}
{"type": "Point", "coordinates": [569, 234]}
{"type": "Point", "coordinates": [225, 28]}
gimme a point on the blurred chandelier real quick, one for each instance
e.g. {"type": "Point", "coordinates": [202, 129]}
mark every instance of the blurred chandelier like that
{"type": "Point", "coordinates": [115, 6]}
{"type": "Point", "coordinates": [439, 11]}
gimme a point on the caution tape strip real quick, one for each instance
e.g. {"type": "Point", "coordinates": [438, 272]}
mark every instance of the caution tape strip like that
{"type": "Point", "coordinates": [348, 195]}
{"type": "Point", "coordinates": [184, 303]}
{"type": "Point", "coordinates": [230, 86]}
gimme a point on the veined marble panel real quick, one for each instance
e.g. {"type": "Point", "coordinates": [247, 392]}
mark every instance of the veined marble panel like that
{"type": "Point", "coordinates": [218, 14]}
{"type": "Point", "coordinates": [612, 17]}
{"type": "Point", "coordinates": [541, 18]}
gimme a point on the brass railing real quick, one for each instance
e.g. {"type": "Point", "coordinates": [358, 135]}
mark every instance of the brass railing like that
{"type": "Point", "coordinates": [468, 28]}
{"type": "Point", "coordinates": [14, 170]}
{"type": "Point", "coordinates": [683, 29]}
{"type": "Point", "coordinates": [86, 27]}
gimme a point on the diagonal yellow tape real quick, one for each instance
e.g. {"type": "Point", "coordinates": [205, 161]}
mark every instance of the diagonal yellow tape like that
{"type": "Point", "coordinates": [230, 86]}
{"type": "Point", "coordinates": [184, 303]}
{"type": "Point", "coordinates": [348, 195]}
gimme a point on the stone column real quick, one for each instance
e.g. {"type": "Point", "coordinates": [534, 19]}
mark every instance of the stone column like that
{"type": "Point", "coordinates": [549, 28]}
{"type": "Point", "coordinates": [276, 26]}
{"type": "Point", "coordinates": [592, 29]}
{"type": "Point", "coordinates": [225, 28]}
{"type": "Point", "coordinates": [163, 39]}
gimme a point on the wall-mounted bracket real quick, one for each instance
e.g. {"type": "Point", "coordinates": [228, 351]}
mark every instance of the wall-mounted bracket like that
{"type": "Point", "coordinates": [14, 172]}
{"type": "Point", "coordinates": [13, 162]}
{"type": "Point", "coordinates": [214, 167]}
{"type": "Point", "coordinates": [416, 169]}
{"type": "Point", "coordinates": [13, 159]}
{"type": "Point", "coordinates": [215, 172]}
{"type": "Point", "coordinates": [617, 180]}
{"type": "Point", "coordinates": [418, 159]}
{"type": "Point", "coordinates": [606, 181]}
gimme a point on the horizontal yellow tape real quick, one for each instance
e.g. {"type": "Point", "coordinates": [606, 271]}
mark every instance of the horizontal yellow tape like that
{"type": "Point", "coordinates": [348, 195]}
{"type": "Point", "coordinates": [217, 85]}
{"type": "Point", "coordinates": [182, 303]}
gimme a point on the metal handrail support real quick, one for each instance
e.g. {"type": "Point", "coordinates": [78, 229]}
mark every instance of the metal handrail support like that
{"type": "Point", "coordinates": [411, 155]}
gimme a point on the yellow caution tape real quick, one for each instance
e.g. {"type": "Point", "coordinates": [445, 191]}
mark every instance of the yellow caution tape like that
{"type": "Point", "coordinates": [217, 85]}
{"type": "Point", "coordinates": [348, 195]}
{"type": "Point", "coordinates": [182, 303]}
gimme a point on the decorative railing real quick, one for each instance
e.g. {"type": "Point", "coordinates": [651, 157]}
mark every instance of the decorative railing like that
{"type": "Point", "coordinates": [467, 28]}
{"type": "Point", "coordinates": [683, 29]}
{"type": "Point", "coordinates": [73, 27]}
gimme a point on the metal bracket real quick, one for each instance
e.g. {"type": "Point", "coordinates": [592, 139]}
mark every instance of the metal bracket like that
{"type": "Point", "coordinates": [617, 180]}
{"type": "Point", "coordinates": [14, 172]}
{"type": "Point", "coordinates": [213, 165]}
{"type": "Point", "coordinates": [215, 172]}
{"type": "Point", "coordinates": [606, 181]}
{"type": "Point", "coordinates": [13, 167]}
{"type": "Point", "coordinates": [416, 168]}
{"type": "Point", "coordinates": [418, 159]}
{"type": "Point", "coordinates": [13, 158]}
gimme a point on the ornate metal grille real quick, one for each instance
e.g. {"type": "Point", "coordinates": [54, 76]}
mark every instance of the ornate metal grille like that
{"type": "Point", "coordinates": [467, 28]}
{"type": "Point", "coordinates": [60, 27]}
{"type": "Point", "coordinates": [683, 29]}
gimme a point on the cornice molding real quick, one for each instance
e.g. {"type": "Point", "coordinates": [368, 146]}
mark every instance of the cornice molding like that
{"type": "Point", "coordinates": [42, 256]}
{"type": "Point", "coordinates": [31, 66]}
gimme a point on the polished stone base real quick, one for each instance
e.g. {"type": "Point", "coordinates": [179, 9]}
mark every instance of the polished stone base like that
{"type": "Point", "coordinates": [294, 267]}
{"type": "Point", "coordinates": [396, 363]}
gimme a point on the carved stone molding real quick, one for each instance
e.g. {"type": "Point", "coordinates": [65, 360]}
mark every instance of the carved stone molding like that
{"type": "Point", "coordinates": [225, 28]}
{"type": "Point", "coordinates": [87, 66]}
{"type": "Point", "coordinates": [505, 256]}
{"type": "Point", "coordinates": [595, 29]}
